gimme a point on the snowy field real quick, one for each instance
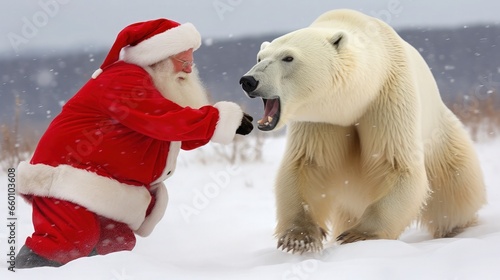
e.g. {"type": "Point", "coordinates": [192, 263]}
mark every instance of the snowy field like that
{"type": "Point", "coordinates": [220, 221]}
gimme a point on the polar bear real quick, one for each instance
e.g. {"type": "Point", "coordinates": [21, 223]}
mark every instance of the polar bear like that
{"type": "Point", "coordinates": [371, 147]}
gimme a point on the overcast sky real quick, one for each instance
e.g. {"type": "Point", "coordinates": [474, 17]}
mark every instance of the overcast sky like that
{"type": "Point", "coordinates": [62, 24]}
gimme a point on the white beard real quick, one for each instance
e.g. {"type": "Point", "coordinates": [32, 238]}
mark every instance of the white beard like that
{"type": "Point", "coordinates": [182, 88]}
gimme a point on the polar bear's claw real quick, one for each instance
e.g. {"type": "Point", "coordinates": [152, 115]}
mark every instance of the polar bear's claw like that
{"type": "Point", "coordinates": [353, 236]}
{"type": "Point", "coordinates": [300, 242]}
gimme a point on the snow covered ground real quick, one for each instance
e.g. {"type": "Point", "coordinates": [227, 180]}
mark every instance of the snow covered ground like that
{"type": "Point", "coordinates": [220, 221]}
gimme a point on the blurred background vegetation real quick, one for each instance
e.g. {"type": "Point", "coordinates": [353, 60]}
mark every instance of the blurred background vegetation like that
{"type": "Point", "coordinates": [465, 62]}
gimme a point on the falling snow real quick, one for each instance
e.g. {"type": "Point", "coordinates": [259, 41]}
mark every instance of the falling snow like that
{"type": "Point", "coordinates": [45, 78]}
{"type": "Point", "coordinates": [208, 42]}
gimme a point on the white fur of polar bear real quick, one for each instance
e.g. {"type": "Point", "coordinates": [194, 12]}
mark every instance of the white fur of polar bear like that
{"type": "Point", "coordinates": [371, 147]}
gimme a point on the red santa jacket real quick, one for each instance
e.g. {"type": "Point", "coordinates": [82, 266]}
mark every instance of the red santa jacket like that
{"type": "Point", "coordinates": [114, 143]}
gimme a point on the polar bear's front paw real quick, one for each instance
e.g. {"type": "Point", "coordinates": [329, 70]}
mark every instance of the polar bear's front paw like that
{"type": "Point", "coordinates": [300, 241]}
{"type": "Point", "coordinates": [351, 236]}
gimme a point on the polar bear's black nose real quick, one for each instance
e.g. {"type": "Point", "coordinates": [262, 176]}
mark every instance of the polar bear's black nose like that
{"type": "Point", "coordinates": [248, 83]}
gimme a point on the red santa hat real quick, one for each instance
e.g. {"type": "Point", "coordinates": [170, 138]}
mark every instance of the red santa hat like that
{"type": "Point", "coordinates": [145, 43]}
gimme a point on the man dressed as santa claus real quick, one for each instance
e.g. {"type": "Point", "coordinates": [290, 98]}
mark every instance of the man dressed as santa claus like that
{"type": "Point", "coordinates": [95, 179]}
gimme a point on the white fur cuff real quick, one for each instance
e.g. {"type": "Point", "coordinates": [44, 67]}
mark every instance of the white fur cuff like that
{"type": "Point", "coordinates": [230, 115]}
{"type": "Point", "coordinates": [101, 195]}
{"type": "Point", "coordinates": [160, 192]}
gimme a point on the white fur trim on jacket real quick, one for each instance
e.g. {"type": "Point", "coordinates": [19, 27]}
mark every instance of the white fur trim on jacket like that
{"type": "Point", "coordinates": [160, 192]}
{"type": "Point", "coordinates": [230, 115]}
{"type": "Point", "coordinates": [163, 45]}
{"type": "Point", "coordinates": [101, 195]}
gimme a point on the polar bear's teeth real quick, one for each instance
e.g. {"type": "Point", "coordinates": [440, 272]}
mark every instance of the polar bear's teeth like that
{"type": "Point", "coordinates": [265, 122]}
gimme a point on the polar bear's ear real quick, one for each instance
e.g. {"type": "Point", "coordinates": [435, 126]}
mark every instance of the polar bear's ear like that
{"type": "Point", "coordinates": [338, 39]}
{"type": "Point", "coordinates": [264, 45]}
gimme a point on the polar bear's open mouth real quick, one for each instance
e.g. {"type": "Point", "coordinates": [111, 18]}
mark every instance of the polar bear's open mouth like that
{"type": "Point", "coordinates": [271, 114]}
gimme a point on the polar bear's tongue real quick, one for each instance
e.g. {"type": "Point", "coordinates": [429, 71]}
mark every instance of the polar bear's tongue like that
{"type": "Point", "coordinates": [270, 110]}
{"type": "Point", "coordinates": [272, 106]}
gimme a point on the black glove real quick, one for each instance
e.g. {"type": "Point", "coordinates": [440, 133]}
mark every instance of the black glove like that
{"type": "Point", "coordinates": [246, 125]}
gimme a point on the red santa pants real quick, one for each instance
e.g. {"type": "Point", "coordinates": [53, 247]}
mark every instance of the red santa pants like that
{"type": "Point", "coordinates": [65, 231]}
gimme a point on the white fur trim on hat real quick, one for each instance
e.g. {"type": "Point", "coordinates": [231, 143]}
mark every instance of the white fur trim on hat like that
{"type": "Point", "coordinates": [101, 195]}
{"type": "Point", "coordinates": [160, 192]}
{"type": "Point", "coordinates": [230, 115]}
{"type": "Point", "coordinates": [163, 45]}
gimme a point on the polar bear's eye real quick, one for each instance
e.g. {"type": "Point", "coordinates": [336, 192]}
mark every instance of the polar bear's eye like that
{"type": "Point", "coordinates": [288, 58]}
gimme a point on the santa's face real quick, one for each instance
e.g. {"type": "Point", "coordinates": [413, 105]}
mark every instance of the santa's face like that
{"type": "Point", "coordinates": [183, 62]}
{"type": "Point", "coordinates": [179, 83]}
